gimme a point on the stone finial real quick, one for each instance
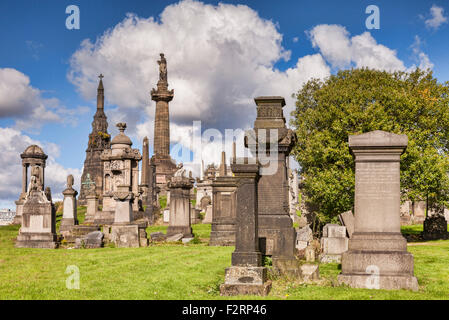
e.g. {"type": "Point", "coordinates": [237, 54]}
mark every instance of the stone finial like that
{"type": "Point", "coordinates": [70, 181]}
{"type": "Point", "coordinates": [121, 126]}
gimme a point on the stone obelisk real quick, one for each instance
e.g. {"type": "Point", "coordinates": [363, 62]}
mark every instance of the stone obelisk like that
{"type": "Point", "coordinates": [99, 139]}
{"type": "Point", "coordinates": [165, 166]}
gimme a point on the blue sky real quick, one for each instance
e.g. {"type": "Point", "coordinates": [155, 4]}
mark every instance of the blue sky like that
{"type": "Point", "coordinates": [36, 43]}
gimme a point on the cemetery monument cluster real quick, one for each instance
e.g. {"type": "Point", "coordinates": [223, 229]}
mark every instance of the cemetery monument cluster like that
{"type": "Point", "coordinates": [251, 203]}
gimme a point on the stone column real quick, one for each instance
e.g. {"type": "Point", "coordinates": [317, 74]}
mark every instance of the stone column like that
{"type": "Point", "coordinates": [92, 207]}
{"type": "Point", "coordinates": [377, 257]}
{"type": "Point", "coordinates": [69, 215]}
{"type": "Point", "coordinates": [180, 206]}
{"type": "Point", "coordinates": [24, 178]}
{"type": "Point", "coordinates": [246, 275]}
{"type": "Point", "coordinates": [271, 142]}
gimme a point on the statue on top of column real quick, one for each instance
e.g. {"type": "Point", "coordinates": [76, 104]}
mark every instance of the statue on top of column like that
{"type": "Point", "coordinates": [162, 68]}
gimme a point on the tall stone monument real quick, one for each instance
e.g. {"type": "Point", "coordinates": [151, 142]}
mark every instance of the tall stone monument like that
{"type": "Point", "coordinates": [147, 182]}
{"type": "Point", "coordinates": [377, 257]}
{"type": "Point", "coordinates": [38, 220]}
{"type": "Point", "coordinates": [246, 276]}
{"type": "Point", "coordinates": [271, 142]}
{"type": "Point", "coordinates": [180, 214]}
{"type": "Point", "coordinates": [33, 156]}
{"type": "Point", "coordinates": [69, 214]}
{"type": "Point", "coordinates": [165, 166]}
{"type": "Point", "coordinates": [121, 168]}
{"type": "Point", "coordinates": [99, 140]}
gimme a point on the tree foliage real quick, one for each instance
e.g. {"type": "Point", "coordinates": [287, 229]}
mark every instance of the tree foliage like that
{"type": "Point", "coordinates": [362, 100]}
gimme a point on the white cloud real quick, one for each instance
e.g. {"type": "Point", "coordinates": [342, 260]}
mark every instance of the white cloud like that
{"type": "Point", "coordinates": [419, 56]}
{"type": "Point", "coordinates": [24, 103]}
{"type": "Point", "coordinates": [12, 144]}
{"type": "Point", "coordinates": [216, 65]}
{"type": "Point", "coordinates": [437, 17]}
{"type": "Point", "coordinates": [342, 51]}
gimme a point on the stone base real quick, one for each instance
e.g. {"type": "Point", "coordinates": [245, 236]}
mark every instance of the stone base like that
{"type": "Point", "coordinates": [287, 266]}
{"type": "Point", "coordinates": [128, 236]}
{"type": "Point", "coordinates": [245, 281]}
{"type": "Point", "coordinates": [186, 231]}
{"type": "Point", "coordinates": [310, 272]}
{"type": "Point", "coordinates": [67, 224]}
{"type": "Point", "coordinates": [103, 217]}
{"type": "Point", "coordinates": [17, 220]}
{"type": "Point", "coordinates": [277, 237]}
{"type": "Point", "coordinates": [77, 231]}
{"type": "Point", "coordinates": [384, 282]}
{"type": "Point", "coordinates": [330, 258]}
{"type": "Point", "coordinates": [37, 240]}
{"type": "Point", "coordinates": [222, 238]}
{"type": "Point", "coordinates": [394, 269]}
{"type": "Point", "coordinates": [245, 289]}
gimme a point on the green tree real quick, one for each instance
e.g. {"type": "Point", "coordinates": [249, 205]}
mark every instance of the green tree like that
{"type": "Point", "coordinates": [361, 100]}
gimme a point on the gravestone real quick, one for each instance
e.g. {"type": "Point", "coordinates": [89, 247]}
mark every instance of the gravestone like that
{"type": "Point", "coordinates": [347, 219]}
{"type": "Point", "coordinates": [33, 156]}
{"type": "Point", "coordinates": [125, 233]}
{"type": "Point", "coordinates": [121, 167]}
{"type": "Point", "coordinates": [208, 215]}
{"type": "Point", "coordinates": [38, 220]}
{"type": "Point", "coordinates": [246, 276]}
{"type": "Point", "coordinates": [271, 142]}
{"type": "Point", "coordinates": [435, 225]}
{"type": "Point", "coordinates": [69, 214]}
{"type": "Point", "coordinates": [91, 240]}
{"type": "Point", "coordinates": [224, 211]}
{"type": "Point", "coordinates": [333, 243]}
{"type": "Point", "coordinates": [303, 237]}
{"type": "Point", "coordinates": [91, 198]}
{"type": "Point", "coordinates": [377, 257]}
{"type": "Point", "coordinates": [180, 187]}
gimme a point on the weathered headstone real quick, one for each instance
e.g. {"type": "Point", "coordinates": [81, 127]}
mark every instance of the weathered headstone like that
{"type": "Point", "coordinates": [121, 167]}
{"type": "Point", "coordinates": [377, 257]}
{"type": "Point", "coordinates": [435, 225]}
{"type": "Point", "coordinates": [246, 275]}
{"type": "Point", "coordinates": [333, 243]}
{"type": "Point", "coordinates": [33, 156]}
{"type": "Point", "coordinates": [347, 219]}
{"type": "Point", "coordinates": [303, 237]}
{"type": "Point", "coordinates": [180, 186]}
{"type": "Point", "coordinates": [208, 215]}
{"type": "Point", "coordinates": [38, 221]}
{"type": "Point", "coordinates": [224, 211]}
{"type": "Point", "coordinates": [69, 214]}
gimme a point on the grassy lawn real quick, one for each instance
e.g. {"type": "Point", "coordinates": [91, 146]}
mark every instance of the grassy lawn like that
{"type": "Point", "coordinates": [177, 271]}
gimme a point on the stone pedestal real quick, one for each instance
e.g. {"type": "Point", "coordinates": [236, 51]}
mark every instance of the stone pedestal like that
{"type": "Point", "coordinates": [69, 215]}
{"type": "Point", "coordinates": [38, 223]}
{"type": "Point", "coordinates": [123, 205]}
{"type": "Point", "coordinates": [19, 211]}
{"type": "Point", "coordinates": [92, 208]}
{"type": "Point", "coordinates": [377, 257]}
{"type": "Point", "coordinates": [271, 143]}
{"type": "Point", "coordinates": [246, 275]}
{"type": "Point", "coordinates": [224, 211]}
{"type": "Point", "coordinates": [180, 206]}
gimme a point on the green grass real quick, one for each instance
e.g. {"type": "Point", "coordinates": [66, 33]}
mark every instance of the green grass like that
{"type": "Point", "coordinates": [177, 271]}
